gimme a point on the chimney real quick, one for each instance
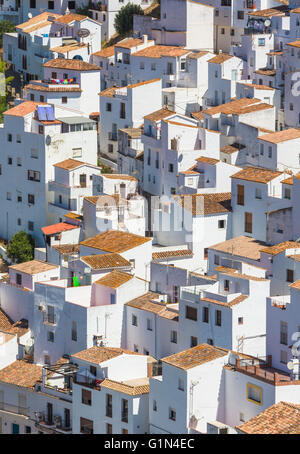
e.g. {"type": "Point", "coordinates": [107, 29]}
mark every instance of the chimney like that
{"type": "Point", "coordinates": [145, 39]}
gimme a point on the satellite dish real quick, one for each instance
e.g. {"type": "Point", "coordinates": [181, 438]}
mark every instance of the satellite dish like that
{"type": "Point", "coordinates": [48, 140]}
{"type": "Point", "coordinates": [291, 364]}
{"type": "Point", "coordinates": [267, 23]}
{"type": "Point", "coordinates": [30, 15]}
{"type": "Point", "coordinates": [83, 33]}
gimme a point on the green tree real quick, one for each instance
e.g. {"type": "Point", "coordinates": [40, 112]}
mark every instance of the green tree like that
{"type": "Point", "coordinates": [5, 27]}
{"type": "Point", "coordinates": [4, 82]}
{"type": "Point", "coordinates": [124, 18]}
{"type": "Point", "coordinates": [21, 247]}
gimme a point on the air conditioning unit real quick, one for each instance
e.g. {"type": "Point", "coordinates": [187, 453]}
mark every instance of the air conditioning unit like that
{"type": "Point", "coordinates": [217, 428]}
{"type": "Point", "coordinates": [42, 307]}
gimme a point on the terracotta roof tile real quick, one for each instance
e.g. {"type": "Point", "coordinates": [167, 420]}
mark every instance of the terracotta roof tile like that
{"type": "Point", "coordinates": [37, 22]}
{"type": "Point", "coordinates": [196, 55]}
{"type": "Point", "coordinates": [161, 255]}
{"type": "Point", "coordinates": [239, 299]}
{"type": "Point", "coordinates": [145, 82]}
{"type": "Point", "coordinates": [238, 107]}
{"type": "Point", "coordinates": [242, 246]}
{"type": "Point", "coordinates": [158, 51]}
{"type": "Point", "coordinates": [98, 355]}
{"type": "Point", "coordinates": [280, 247]}
{"type": "Point", "coordinates": [128, 43]}
{"type": "Point", "coordinates": [108, 92]}
{"type": "Point", "coordinates": [71, 47]}
{"type": "Point", "coordinates": [257, 86]}
{"type": "Point", "coordinates": [105, 261]}
{"type": "Point", "coordinates": [205, 204]}
{"type": "Point", "coordinates": [159, 114]}
{"type": "Point", "coordinates": [208, 160]}
{"type": "Point", "coordinates": [67, 248]}
{"type": "Point", "coordinates": [23, 109]}
{"type": "Point", "coordinates": [280, 418]}
{"type": "Point", "coordinates": [76, 216]}
{"type": "Point", "coordinates": [195, 356]}
{"type": "Point", "coordinates": [71, 17]}
{"type": "Point", "coordinates": [115, 241]}
{"type": "Point", "coordinates": [271, 12]}
{"type": "Point", "coordinates": [146, 303]}
{"type": "Point", "coordinates": [69, 164]}
{"type": "Point", "coordinates": [265, 72]}
{"type": "Point", "coordinates": [58, 228]}
{"type": "Point", "coordinates": [119, 176]}
{"type": "Point", "coordinates": [76, 65]}
{"type": "Point", "coordinates": [52, 89]}
{"type": "Point", "coordinates": [125, 388]}
{"type": "Point", "coordinates": [281, 136]}
{"type": "Point", "coordinates": [21, 373]}
{"type": "Point", "coordinates": [288, 180]}
{"type": "Point", "coordinates": [33, 267]}
{"type": "Point", "coordinates": [115, 279]}
{"type": "Point", "coordinates": [256, 174]}
{"type": "Point", "coordinates": [106, 52]}
{"type": "Point", "coordinates": [229, 149]}
{"type": "Point", "coordinates": [233, 272]}
{"type": "Point", "coordinates": [219, 59]}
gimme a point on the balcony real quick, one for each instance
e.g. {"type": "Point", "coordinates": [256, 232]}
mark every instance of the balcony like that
{"type": "Point", "coordinates": [262, 370]}
{"type": "Point", "coordinates": [15, 409]}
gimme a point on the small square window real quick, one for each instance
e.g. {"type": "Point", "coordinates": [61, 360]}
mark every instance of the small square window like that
{"type": "Point", "coordinates": [50, 336]}
{"type": "Point", "coordinates": [134, 320]}
{"type": "Point", "coordinates": [221, 224]}
{"type": "Point", "coordinates": [240, 320]}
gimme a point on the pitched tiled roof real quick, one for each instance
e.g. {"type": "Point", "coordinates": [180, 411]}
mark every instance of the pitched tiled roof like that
{"type": "Point", "coordinates": [76, 216]}
{"type": "Point", "coordinates": [238, 107]}
{"type": "Point", "coordinates": [207, 160]}
{"type": "Point", "coordinates": [108, 92]}
{"type": "Point", "coordinates": [146, 303]}
{"type": "Point", "coordinates": [58, 228]}
{"type": "Point", "coordinates": [76, 65]}
{"type": "Point", "coordinates": [105, 261]}
{"type": "Point", "coordinates": [219, 59]}
{"type": "Point", "coordinates": [71, 17]}
{"type": "Point", "coordinates": [265, 72]}
{"type": "Point", "coordinates": [115, 241]}
{"type": "Point", "coordinates": [69, 48]}
{"type": "Point", "coordinates": [270, 12]}
{"type": "Point", "coordinates": [33, 267]}
{"type": "Point", "coordinates": [158, 51]}
{"type": "Point", "coordinates": [128, 43]}
{"type": "Point", "coordinates": [257, 174]}
{"type": "Point", "coordinates": [69, 164]}
{"type": "Point", "coordinates": [233, 272]}
{"type": "Point", "coordinates": [280, 247]}
{"type": "Point", "coordinates": [37, 22]}
{"type": "Point", "coordinates": [67, 248]}
{"type": "Point", "coordinates": [98, 355]}
{"type": "Point", "coordinates": [6, 324]}
{"type": "Point", "coordinates": [159, 114]}
{"type": "Point", "coordinates": [242, 246]}
{"type": "Point", "coordinates": [281, 136]}
{"type": "Point", "coordinates": [280, 418]}
{"type": "Point", "coordinates": [52, 89]}
{"type": "Point", "coordinates": [115, 279]}
{"type": "Point", "coordinates": [205, 204]}
{"type": "Point", "coordinates": [161, 255]}
{"type": "Point", "coordinates": [23, 109]}
{"type": "Point", "coordinates": [106, 52]}
{"type": "Point", "coordinates": [256, 86]}
{"type": "Point", "coordinates": [145, 82]}
{"type": "Point", "coordinates": [106, 200]}
{"type": "Point", "coordinates": [119, 176]}
{"type": "Point", "coordinates": [196, 55]}
{"type": "Point", "coordinates": [21, 373]}
{"type": "Point", "coordinates": [294, 43]}
{"type": "Point", "coordinates": [195, 356]}
{"type": "Point", "coordinates": [229, 149]}
{"type": "Point", "coordinates": [288, 180]}
{"type": "Point", "coordinates": [125, 388]}
{"type": "Point", "coordinates": [239, 299]}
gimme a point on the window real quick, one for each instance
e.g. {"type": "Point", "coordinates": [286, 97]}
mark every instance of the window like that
{"type": "Point", "coordinates": [221, 224]}
{"type": "Point", "coordinates": [31, 226]}
{"type": "Point", "coordinates": [27, 429]}
{"type": "Point", "coordinates": [283, 357]}
{"type": "Point", "coordinates": [110, 148]}
{"type": "Point", "coordinates": [109, 428]}
{"type": "Point", "coordinates": [124, 410]}
{"type": "Point", "coordinates": [33, 175]}
{"type": "Point", "coordinates": [226, 285]}
{"type": "Point", "coordinates": [149, 324]}
{"type": "Point", "coordinates": [154, 405]}
{"type": "Point", "coordinates": [134, 320]}
{"type": "Point", "coordinates": [64, 100]}
{"type": "Point", "coordinates": [31, 199]}
{"type": "Point", "coordinates": [181, 384]}
{"type": "Point", "coordinates": [173, 337]}
{"type": "Point", "coordinates": [210, 341]}
{"type": "Point", "coordinates": [86, 426]}
{"type": "Point", "coordinates": [112, 298]}
{"type": "Point", "coordinates": [240, 320]}
{"type": "Point", "coordinates": [240, 15]}
{"type": "Point", "coordinates": [261, 148]}
{"type": "Point", "coordinates": [217, 13]}
{"type": "Point", "coordinates": [41, 129]}
{"type": "Point", "coordinates": [283, 333]}
{"type": "Point", "coordinates": [258, 193]}
{"type": "Point", "coordinates": [171, 168]}
{"type": "Point", "coordinates": [289, 275]}
{"type": "Point", "coordinates": [153, 66]}
{"type": "Point", "coordinates": [19, 222]}
{"type": "Point", "coordinates": [205, 314]}
{"type": "Point", "coordinates": [254, 394]}
{"type": "Point", "coordinates": [216, 260]}
{"type": "Point", "coordinates": [287, 193]}
{"type": "Point", "coordinates": [232, 32]}
{"type": "Point", "coordinates": [108, 107]}
{"type": "Point", "coordinates": [261, 41]}
{"type": "Point", "coordinates": [194, 341]}
{"type": "Point", "coordinates": [109, 405]}
{"type": "Point", "coordinates": [33, 4]}
{"type": "Point", "coordinates": [77, 152]}
{"type": "Point", "coordinates": [191, 313]}
{"type": "Point", "coordinates": [9, 161]}
{"type": "Point", "coordinates": [50, 336]}
{"type": "Point", "coordinates": [218, 318]}
{"type": "Point", "coordinates": [172, 414]}
{"type": "Point", "coordinates": [240, 194]}
{"type": "Point", "coordinates": [51, 4]}
{"type": "Point", "coordinates": [74, 331]}
{"type": "Point", "coordinates": [93, 370]}
{"type": "Point", "coordinates": [86, 397]}
{"type": "Point", "coordinates": [270, 152]}
{"type": "Point", "coordinates": [18, 138]}
{"type": "Point", "coordinates": [19, 279]}
{"type": "Point", "coordinates": [122, 110]}
{"type": "Point", "coordinates": [34, 153]}
{"type": "Point", "coordinates": [47, 360]}
{"type": "Point", "coordinates": [222, 31]}
{"type": "Point", "coordinates": [136, 348]}
{"type": "Point", "coordinates": [8, 196]}
{"type": "Point", "coordinates": [142, 65]}
{"type": "Point", "coordinates": [31, 97]}
{"type": "Point", "coordinates": [248, 222]}
{"type": "Point", "coordinates": [291, 106]}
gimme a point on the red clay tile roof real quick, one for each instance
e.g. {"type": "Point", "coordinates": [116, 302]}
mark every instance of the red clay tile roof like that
{"type": "Point", "coordinates": [280, 418]}
{"type": "Point", "coordinates": [106, 52]}
{"type": "Point", "coordinates": [128, 43]}
{"type": "Point", "coordinates": [159, 114]}
{"type": "Point", "coordinates": [21, 373]}
{"type": "Point", "coordinates": [256, 174]}
{"type": "Point", "coordinates": [105, 261]}
{"type": "Point", "coordinates": [33, 267]}
{"type": "Point", "coordinates": [238, 107]}
{"type": "Point", "coordinates": [242, 246]}
{"type": "Point", "coordinates": [146, 303]}
{"type": "Point", "coordinates": [52, 89]}
{"type": "Point", "coordinates": [239, 299]}
{"type": "Point", "coordinates": [69, 164]}
{"type": "Point", "coordinates": [158, 51]}
{"type": "Point", "coordinates": [207, 160]}
{"type": "Point", "coordinates": [76, 65]}
{"type": "Point", "coordinates": [23, 109]}
{"type": "Point", "coordinates": [265, 72]}
{"type": "Point", "coordinates": [195, 356]}
{"type": "Point", "coordinates": [161, 255]}
{"type": "Point", "coordinates": [281, 136]}
{"type": "Point", "coordinates": [257, 86]}
{"type": "Point", "coordinates": [71, 17]}
{"type": "Point", "coordinates": [67, 248]}
{"type": "Point", "coordinates": [205, 204]}
{"type": "Point", "coordinates": [115, 279]}
{"type": "Point", "coordinates": [271, 12]}
{"type": "Point", "coordinates": [98, 355]}
{"type": "Point", "coordinates": [58, 228]}
{"type": "Point", "coordinates": [124, 388]}
{"type": "Point", "coordinates": [280, 247]}
{"type": "Point", "coordinates": [115, 241]}
{"type": "Point", "coordinates": [219, 59]}
{"type": "Point", "coordinates": [145, 82]}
